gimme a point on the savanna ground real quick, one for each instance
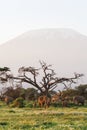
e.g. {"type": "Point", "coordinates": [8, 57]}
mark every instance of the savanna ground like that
{"type": "Point", "coordinates": [53, 118]}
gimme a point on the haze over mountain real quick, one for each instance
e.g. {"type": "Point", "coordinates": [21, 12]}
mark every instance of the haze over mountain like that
{"type": "Point", "coordinates": [65, 49]}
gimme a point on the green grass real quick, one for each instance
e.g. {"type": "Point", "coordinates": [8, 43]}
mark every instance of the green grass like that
{"type": "Point", "coordinates": [58, 118]}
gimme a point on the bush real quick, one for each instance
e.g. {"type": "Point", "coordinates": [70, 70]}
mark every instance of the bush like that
{"type": "Point", "coordinates": [29, 104]}
{"type": "Point", "coordinates": [18, 102]}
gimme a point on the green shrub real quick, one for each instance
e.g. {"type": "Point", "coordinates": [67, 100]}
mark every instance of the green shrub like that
{"type": "Point", "coordinates": [3, 123]}
{"type": "Point", "coordinates": [29, 104]}
{"type": "Point", "coordinates": [18, 102]}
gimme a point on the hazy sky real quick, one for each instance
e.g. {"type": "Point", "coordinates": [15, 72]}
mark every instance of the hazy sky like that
{"type": "Point", "coordinates": [19, 16]}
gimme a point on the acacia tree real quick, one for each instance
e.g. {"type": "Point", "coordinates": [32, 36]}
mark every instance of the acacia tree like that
{"type": "Point", "coordinates": [43, 79]}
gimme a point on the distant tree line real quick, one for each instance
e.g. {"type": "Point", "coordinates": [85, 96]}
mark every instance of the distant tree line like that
{"type": "Point", "coordinates": [80, 90]}
{"type": "Point", "coordinates": [15, 97]}
{"type": "Point", "coordinates": [31, 94]}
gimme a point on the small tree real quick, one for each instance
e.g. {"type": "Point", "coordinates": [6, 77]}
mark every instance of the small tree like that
{"type": "Point", "coordinates": [82, 90]}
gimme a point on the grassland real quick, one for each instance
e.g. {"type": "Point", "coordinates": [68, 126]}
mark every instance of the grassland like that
{"type": "Point", "coordinates": [58, 118]}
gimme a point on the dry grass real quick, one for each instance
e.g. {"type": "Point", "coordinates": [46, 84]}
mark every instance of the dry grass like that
{"type": "Point", "coordinates": [43, 119]}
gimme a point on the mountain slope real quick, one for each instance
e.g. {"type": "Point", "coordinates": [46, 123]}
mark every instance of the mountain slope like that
{"type": "Point", "coordinates": [64, 48]}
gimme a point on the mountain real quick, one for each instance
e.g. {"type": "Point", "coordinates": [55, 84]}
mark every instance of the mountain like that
{"type": "Point", "coordinates": [65, 49]}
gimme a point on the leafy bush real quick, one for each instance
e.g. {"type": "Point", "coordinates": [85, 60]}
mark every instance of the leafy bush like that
{"type": "Point", "coordinates": [18, 102]}
{"type": "Point", "coordinates": [3, 123]}
{"type": "Point", "coordinates": [30, 105]}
